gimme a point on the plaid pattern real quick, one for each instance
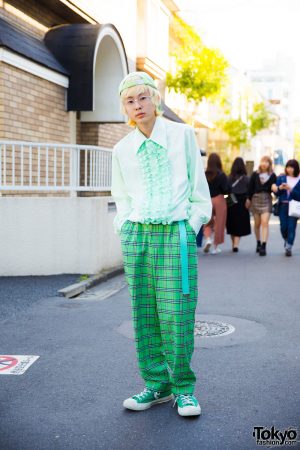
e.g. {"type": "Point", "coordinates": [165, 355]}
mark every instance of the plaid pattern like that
{"type": "Point", "coordinates": [261, 202]}
{"type": "Point", "coordinates": [163, 317]}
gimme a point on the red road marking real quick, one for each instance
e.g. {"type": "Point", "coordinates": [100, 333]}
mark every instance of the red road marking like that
{"type": "Point", "coordinates": [8, 362]}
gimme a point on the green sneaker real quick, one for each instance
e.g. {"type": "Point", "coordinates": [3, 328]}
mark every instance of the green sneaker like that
{"type": "Point", "coordinates": [187, 405]}
{"type": "Point", "coordinates": [146, 399]}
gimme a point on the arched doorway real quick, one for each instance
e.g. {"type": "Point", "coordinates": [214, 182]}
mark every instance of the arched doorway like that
{"type": "Point", "coordinates": [110, 66]}
{"type": "Point", "coordinates": [95, 57]}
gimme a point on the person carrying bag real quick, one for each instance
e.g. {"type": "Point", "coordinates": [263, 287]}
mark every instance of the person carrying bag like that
{"type": "Point", "coordinates": [238, 217]}
{"type": "Point", "coordinates": [287, 189]}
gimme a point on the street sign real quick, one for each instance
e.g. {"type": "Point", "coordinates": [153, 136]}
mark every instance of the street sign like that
{"type": "Point", "coordinates": [16, 364]}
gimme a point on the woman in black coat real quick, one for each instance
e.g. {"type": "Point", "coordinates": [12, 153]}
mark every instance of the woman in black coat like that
{"type": "Point", "coordinates": [238, 217]}
{"type": "Point", "coordinates": [260, 201]}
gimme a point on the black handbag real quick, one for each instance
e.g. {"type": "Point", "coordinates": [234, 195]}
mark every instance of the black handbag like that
{"type": "Point", "coordinates": [230, 200]}
{"type": "Point", "coordinates": [275, 208]}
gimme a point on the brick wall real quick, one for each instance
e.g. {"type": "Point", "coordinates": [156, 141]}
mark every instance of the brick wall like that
{"type": "Point", "coordinates": [32, 109]}
{"type": "Point", "coordinates": [88, 134]}
{"type": "Point", "coordinates": [103, 134]}
{"type": "Point", "coordinates": [111, 133]}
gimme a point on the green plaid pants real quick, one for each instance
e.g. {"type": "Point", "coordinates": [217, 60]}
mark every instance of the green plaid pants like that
{"type": "Point", "coordinates": [163, 317]}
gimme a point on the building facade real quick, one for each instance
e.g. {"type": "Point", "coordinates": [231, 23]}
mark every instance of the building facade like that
{"type": "Point", "coordinates": [60, 66]}
{"type": "Point", "coordinates": [275, 83]}
{"type": "Point", "coordinates": [61, 63]}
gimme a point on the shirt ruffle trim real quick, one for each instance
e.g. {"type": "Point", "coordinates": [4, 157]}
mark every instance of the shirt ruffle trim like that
{"type": "Point", "coordinates": [157, 180]}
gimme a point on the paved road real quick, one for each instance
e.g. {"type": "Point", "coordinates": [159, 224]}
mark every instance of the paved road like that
{"type": "Point", "coordinates": [71, 397]}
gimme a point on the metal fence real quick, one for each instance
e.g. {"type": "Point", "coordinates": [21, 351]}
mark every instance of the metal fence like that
{"type": "Point", "coordinates": [32, 166]}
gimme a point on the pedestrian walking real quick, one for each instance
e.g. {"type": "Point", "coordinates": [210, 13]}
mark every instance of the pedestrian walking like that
{"type": "Point", "coordinates": [162, 199]}
{"type": "Point", "coordinates": [260, 201]}
{"type": "Point", "coordinates": [238, 216]}
{"type": "Point", "coordinates": [218, 187]}
{"type": "Point", "coordinates": [287, 188]}
{"type": "Point", "coordinates": [199, 238]}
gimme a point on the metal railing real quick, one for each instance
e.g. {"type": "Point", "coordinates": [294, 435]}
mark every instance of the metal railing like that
{"type": "Point", "coordinates": [32, 166]}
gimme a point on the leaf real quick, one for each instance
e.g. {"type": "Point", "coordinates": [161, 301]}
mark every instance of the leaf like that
{"type": "Point", "coordinates": [201, 71]}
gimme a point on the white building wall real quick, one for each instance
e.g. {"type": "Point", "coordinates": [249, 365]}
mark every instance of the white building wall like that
{"type": "Point", "coordinates": [120, 13]}
{"type": "Point", "coordinates": [275, 82]}
{"type": "Point", "coordinates": [49, 236]}
{"type": "Point", "coordinates": [153, 32]}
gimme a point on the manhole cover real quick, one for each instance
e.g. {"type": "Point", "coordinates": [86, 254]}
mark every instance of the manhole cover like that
{"type": "Point", "coordinates": [236, 330]}
{"type": "Point", "coordinates": [212, 329]}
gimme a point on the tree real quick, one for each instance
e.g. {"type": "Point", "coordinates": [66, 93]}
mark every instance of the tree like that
{"type": "Point", "coordinates": [240, 132]}
{"type": "Point", "coordinates": [237, 131]}
{"type": "Point", "coordinates": [200, 70]}
{"type": "Point", "coordinates": [260, 119]}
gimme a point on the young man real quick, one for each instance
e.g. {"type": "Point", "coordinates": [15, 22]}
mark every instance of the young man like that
{"type": "Point", "coordinates": [162, 199]}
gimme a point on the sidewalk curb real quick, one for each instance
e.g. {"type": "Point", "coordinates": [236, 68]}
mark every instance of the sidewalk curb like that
{"type": "Point", "coordinates": [75, 289]}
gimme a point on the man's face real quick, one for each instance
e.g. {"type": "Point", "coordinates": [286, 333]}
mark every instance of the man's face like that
{"type": "Point", "coordinates": [140, 108]}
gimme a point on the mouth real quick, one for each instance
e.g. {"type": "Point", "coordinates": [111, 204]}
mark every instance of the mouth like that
{"type": "Point", "coordinates": [140, 115]}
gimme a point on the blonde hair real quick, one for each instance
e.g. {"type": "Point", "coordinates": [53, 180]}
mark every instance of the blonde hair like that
{"type": "Point", "coordinates": [268, 160]}
{"type": "Point", "coordinates": [138, 90]}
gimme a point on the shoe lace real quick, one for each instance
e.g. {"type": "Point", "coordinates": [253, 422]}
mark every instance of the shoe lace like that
{"type": "Point", "coordinates": [142, 394]}
{"type": "Point", "coordinates": [187, 399]}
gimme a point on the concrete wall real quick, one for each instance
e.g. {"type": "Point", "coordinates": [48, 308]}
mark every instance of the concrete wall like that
{"type": "Point", "coordinates": [45, 236]}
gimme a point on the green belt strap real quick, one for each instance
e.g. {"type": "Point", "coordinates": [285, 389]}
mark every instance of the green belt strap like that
{"type": "Point", "coordinates": [184, 258]}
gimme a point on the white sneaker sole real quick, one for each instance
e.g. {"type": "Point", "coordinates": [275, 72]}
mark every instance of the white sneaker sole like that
{"type": "Point", "coordinates": [130, 403]}
{"type": "Point", "coordinates": [189, 411]}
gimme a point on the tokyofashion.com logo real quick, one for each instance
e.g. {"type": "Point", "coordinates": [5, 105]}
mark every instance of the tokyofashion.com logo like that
{"type": "Point", "coordinates": [270, 437]}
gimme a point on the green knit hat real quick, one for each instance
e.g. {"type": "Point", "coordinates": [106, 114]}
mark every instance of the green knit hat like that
{"type": "Point", "coordinates": [134, 79]}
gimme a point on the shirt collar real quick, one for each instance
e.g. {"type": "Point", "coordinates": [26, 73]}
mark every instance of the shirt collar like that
{"type": "Point", "coordinates": [158, 135]}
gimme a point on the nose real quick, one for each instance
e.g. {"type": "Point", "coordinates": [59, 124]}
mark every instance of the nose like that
{"type": "Point", "coordinates": [137, 104]}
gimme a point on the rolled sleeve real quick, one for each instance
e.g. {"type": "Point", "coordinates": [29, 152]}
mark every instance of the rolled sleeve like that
{"type": "Point", "coordinates": [200, 200]}
{"type": "Point", "coordinates": [120, 195]}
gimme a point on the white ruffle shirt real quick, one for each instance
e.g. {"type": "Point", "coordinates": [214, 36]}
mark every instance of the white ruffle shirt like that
{"type": "Point", "coordinates": [160, 179]}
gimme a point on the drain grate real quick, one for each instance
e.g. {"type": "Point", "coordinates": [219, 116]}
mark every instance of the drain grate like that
{"type": "Point", "coordinates": [212, 329]}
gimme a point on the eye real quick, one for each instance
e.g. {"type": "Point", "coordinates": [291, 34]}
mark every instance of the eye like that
{"type": "Point", "coordinates": [129, 102]}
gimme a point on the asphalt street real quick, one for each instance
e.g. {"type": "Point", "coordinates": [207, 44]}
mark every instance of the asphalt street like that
{"type": "Point", "coordinates": [71, 397]}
